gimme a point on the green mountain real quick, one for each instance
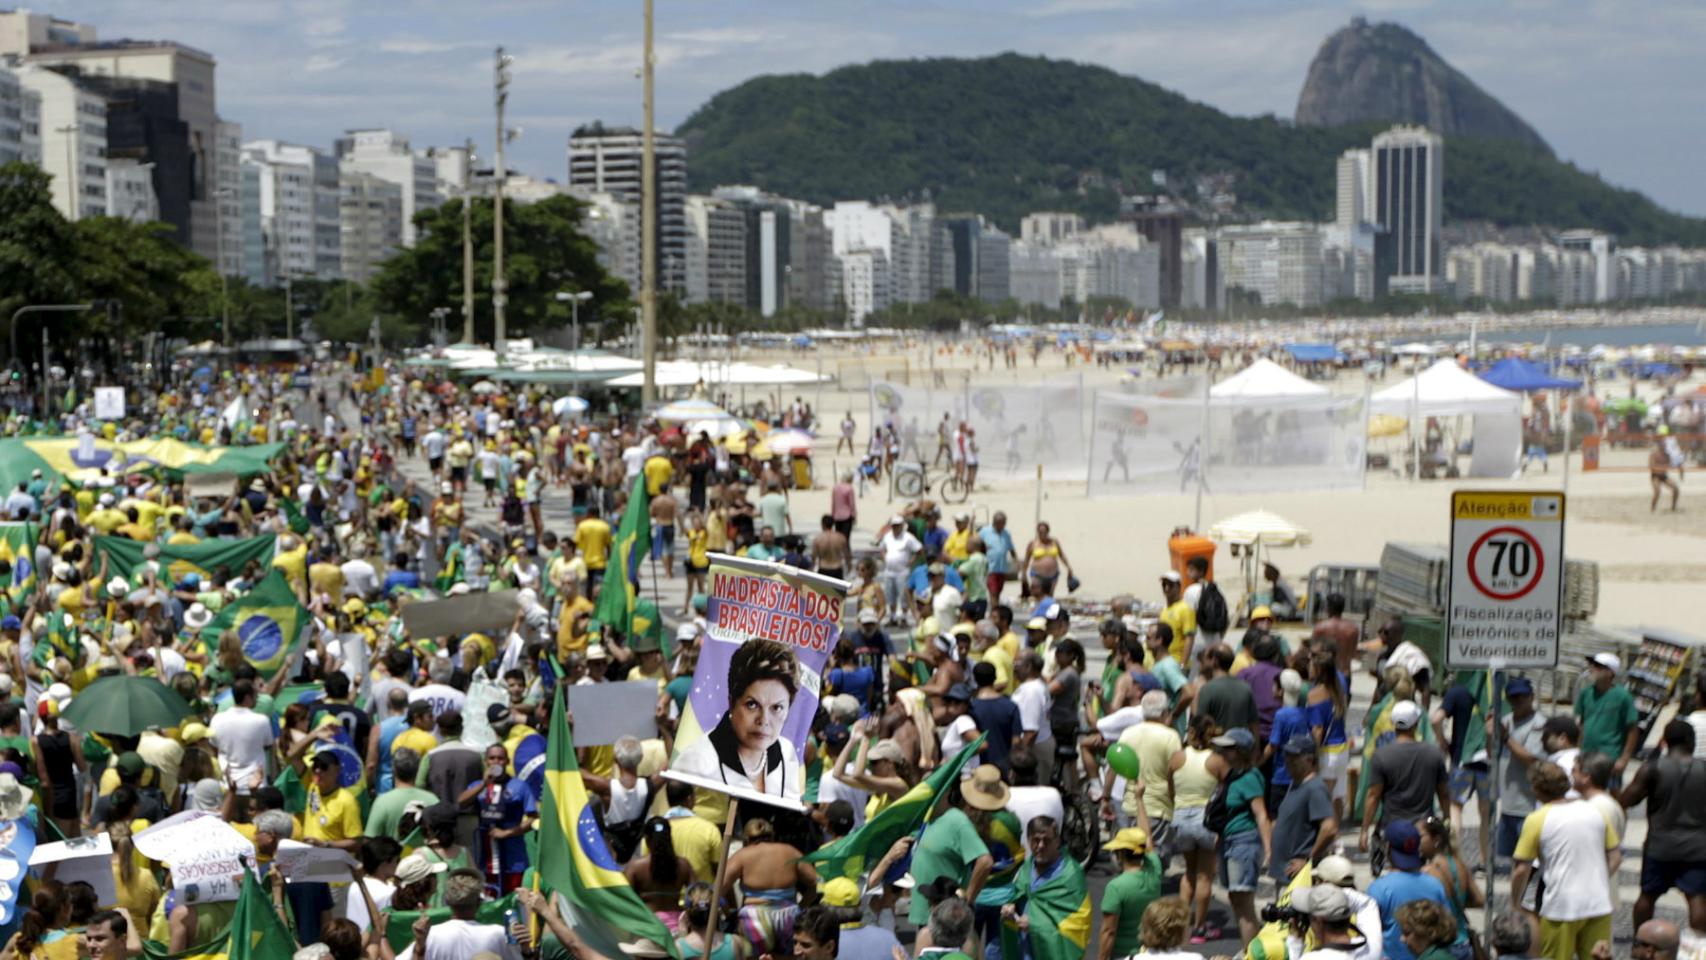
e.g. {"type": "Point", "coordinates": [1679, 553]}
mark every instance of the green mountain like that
{"type": "Point", "coordinates": [1011, 134]}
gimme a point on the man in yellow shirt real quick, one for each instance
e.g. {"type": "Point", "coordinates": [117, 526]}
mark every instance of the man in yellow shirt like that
{"type": "Point", "coordinates": [135, 529]}
{"type": "Point", "coordinates": [592, 539]}
{"type": "Point", "coordinates": [292, 558]}
{"type": "Point", "coordinates": [332, 817]}
{"type": "Point", "coordinates": [568, 641]}
{"type": "Point", "coordinates": [182, 536]}
{"type": "Point", "coordinates": [326, 577]}
{"type": "Point", "coordinates": [419, 735]}
{"type": "Point", "coordinates": [1179, 616]}
{"type": "Point", "coordinates": [658, 472]}
{"type": "Point", "coordinates": [957, 549]}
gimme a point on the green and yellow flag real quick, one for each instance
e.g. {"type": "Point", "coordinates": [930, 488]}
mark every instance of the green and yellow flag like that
{"type": "Point", "coordinates": [268, 620]}
{"type": "Point", "coordinates": [18, 550]}
{"type": "Point", "coordinates": [575, 861]}
{"type": "Point", "coordinates": [125, 555]}
{"type": "Point", "coordinates": [1059, 911]}
{"type": "Point", "coordinates": [620, 589]}
{"type": "Point", "coordinates": [58, 457]}
{"type": "Point", "coordinates": [255, 933]}
{"type": "Point", "coordinates": [848, 856]}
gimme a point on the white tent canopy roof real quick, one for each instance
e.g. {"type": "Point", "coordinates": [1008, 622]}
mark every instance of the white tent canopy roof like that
{"type": "Point", "coordinates": [1259, 526]}
{"type": "Point", "coordinates": [683, 373]}
{"type": "Point", "coordinates": [1265, 378]}
{"type": "Point", "coordinates": [1446, 389]}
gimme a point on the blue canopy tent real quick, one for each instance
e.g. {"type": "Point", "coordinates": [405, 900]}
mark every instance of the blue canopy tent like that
{"type": "Point", "coordinates": [1314, 352]}
{"type": "Point", "coordinates": [1523, 376]}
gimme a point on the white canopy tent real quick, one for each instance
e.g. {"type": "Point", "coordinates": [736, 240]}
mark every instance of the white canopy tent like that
{"type": "Point", "coordinates": [1447, 390]}
{"type": "Point", "coordinates": [685, 373]}
{"type": "Point", "coordinates": [1265, 378]}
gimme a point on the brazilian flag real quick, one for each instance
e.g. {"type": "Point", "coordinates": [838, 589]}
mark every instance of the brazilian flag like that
{"type": "Point", "coordinates": [124, 555]}
{"type": "Point", "coordinates": [575, 861]}
{"type": "Point", "coordinates": [18, 548]}
{"type": "Point", "coordinates": [1059, 911]}
{"type": "Point", "coordinates": [255, 933]}
{"type": "Point", "coordinates": [293, 516]}
{"type": "Point", "coordinates": [450, 574]}
{"type": "Point", "coordinates": [620, 589]}
{"type": "Point", "coordinates": [269, 621]}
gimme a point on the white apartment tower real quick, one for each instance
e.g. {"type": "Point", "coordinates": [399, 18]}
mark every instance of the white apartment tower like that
{"type": "Point", "coordinates": [386, 155]}
{"type": "Point", "coordinates": [1354, 189]}
{"type": "Point", "coordinates": [609, 160]}
{"type": "Point", "coordinates": [228, 198]}
{"type": "Point", "coordinates": [1050, 227]}
{"type": "Point", "coordinates": [370, 222]}
{"type": "Point", "coordinates": [73, 130]}
{"type": "Point", "coordinates": [299, 208]}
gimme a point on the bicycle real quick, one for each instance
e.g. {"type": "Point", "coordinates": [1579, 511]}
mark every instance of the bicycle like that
{"type": "Point", "coordinates": [911, 480]}
{"type": "Point", "coordinates": [1081, 827]}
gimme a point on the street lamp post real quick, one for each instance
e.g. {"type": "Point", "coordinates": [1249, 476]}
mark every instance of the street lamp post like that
{"type": "Point", "coordinates": [439, 335]}
{"type": "Point", "coordinates": [574, 300]}
{"type": "Point", "coordinates": [468, 242]}
{"type": "Point", "coordinates": [500, 285]}
{"type": "Point", "coordinates": [73, 209]}
{"type": "Point", "coordinates": [224, 293]}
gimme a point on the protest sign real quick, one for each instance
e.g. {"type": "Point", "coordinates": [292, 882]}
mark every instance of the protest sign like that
{"type": "Point", "coordinates": [210, 484]}
{"type": "Point", "coordinates": [607, 712]}
{"type": "Point", "coordinates": [469, 613]}
{"type": "Point", "coordinates": [482, 693]}
{"type": "Point", "coordinates": [298, 862]}
{"type": "Point", "coordinates": [759, 679]}
{"type": "Point", "coordinates": [89, 859]}
{"type": "Point", "coordinates": [206, 855]}
{"type": "Point", "coordinates": [109, 403]}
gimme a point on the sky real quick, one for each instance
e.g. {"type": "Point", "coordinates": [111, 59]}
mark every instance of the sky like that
{"type": "Point", "coordinates": [1616, 86]}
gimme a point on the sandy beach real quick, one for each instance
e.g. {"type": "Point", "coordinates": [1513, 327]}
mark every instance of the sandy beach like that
{"type": "Point", "coordinates": [1120, 545]}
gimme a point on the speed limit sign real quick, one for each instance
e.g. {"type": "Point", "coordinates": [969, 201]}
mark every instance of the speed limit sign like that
{"type": "Point", "coordinates": [1507, 579]}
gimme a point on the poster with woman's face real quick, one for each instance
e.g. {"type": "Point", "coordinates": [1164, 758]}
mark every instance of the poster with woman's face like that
{"type": "Point", "coordinates": [759, 679]}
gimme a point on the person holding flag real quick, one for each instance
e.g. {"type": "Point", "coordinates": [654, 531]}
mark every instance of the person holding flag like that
{"type": "Point", "coordinates": [1051, 918]}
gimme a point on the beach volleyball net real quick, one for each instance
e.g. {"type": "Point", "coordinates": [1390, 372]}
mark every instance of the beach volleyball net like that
{"type": "Point", "coordinates": [1015, 427]}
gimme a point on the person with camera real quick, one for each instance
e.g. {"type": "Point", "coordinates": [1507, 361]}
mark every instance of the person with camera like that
{"type": "Point", "coordinates": [1322, 912]}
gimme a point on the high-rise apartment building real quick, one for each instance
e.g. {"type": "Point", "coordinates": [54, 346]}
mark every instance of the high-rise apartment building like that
{"type": "Point", "coordinates": [73, 129]}
{"type": "Point", "coordinates": [614, 225]}
{"type": "Point", "coordinates": [299, 207]}
{"type": "Point", "coordinates": [370, 222]}
{"type": "Point", "coordinates": [228, 198]}
{"type": "Point", "coordinates": [608, 159]}
{"type": "Point", "coordinates": [386, 155]}
{"type": "Point", "coordinates": [1354, 189]}
{"type": "Point", "coordinates": [1050, 226]}
{"type": "Point", "coordinates": [1601, 248]}
{"type": "Point", "coordinates": [716, 251]}
{"type": "Point", "coordinates": [1276, 262]}
{"type": "Point", "coordinates": [1161, 222]}
{"type": "Point", "coordinates": [11, 117]}
{"type": "Point", "coordinates": [994, 265]}
{"type": "Point", "coordinates": [140, 75]}
{"type": "Point", "coordinates": [130, 191]}
{"type": "Point", "coordinates": [1408, 179]}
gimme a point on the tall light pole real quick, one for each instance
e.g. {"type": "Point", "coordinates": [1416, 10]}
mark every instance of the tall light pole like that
{"type": "Point", "coordinates": [439, 335]}
{"type": "Point", "coordinates": [574, 300]}
{"type": "Point", "coordinates": [73, 209]}
{"type": "Point", "coordinates": [500, 84]}
{"type": "Point", "coordinates": [648, 231]}
{"type": "Point", "coordinates": [219, 195]}
{"type": "Point", "coordinates": [468, 242]}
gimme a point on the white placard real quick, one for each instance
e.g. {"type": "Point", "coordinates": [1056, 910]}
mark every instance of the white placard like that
{"type": "Point", "coordinates": [607, 712]}
{"type": "Point", "coordinates": [300, 863]}
{"type": "Point", "coordinates": [89, 859]}
{"type": "Point", "coordinates": [206, 855]}
{"type": "Point", "coordinates": [109, 403]}
{"type": "Point", "coordinates": [1507, 579]}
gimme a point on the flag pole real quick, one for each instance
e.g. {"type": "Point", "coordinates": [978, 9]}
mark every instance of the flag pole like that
{"type": "Point", "coordinates": [712, 927]}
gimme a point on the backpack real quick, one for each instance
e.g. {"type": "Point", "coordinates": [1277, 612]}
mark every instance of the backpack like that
{"type": "Point", "coordinates": [512, 512]}
{"type": "Point", "coordinates": [1212, 615]}
{"type": "Point", "coordinates": [1217, 815]}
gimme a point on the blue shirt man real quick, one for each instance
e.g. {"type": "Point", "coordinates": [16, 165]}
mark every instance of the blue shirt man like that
{"type": "Point", "coordinates": [998, 545]}
{"type": "Point", "coordinates": [1403, 884]}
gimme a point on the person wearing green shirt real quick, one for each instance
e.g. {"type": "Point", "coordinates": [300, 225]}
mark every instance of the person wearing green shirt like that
{"type": "Point", "coordinates": [387, 810]}
{"type": "Point", "coordinates": [1607, 713]}
{"type": "Point", "coordinates": [974, 570]}
{"type": "Point", "coordinates": [1129, 894]}
{"type": "Point", "coordinates": [1246, 841]}
{"type": "Point", "coordinates": [950, 847]}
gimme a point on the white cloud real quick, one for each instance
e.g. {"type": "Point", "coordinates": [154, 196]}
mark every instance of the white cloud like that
{"type": "Point", "coordinates": [417, 46]}
{"type": "Point", "coordinates": [321, 63]}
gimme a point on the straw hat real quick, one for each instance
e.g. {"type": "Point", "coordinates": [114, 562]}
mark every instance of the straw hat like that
{"type": "Point", "coordinates": [197, 616]}
{"type": "Point", "coordinates": [985, 791]}
{"type": "Point", "coordinates": [14, 799]}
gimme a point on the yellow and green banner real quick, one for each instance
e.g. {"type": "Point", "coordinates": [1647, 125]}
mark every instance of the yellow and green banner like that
{"type": "Point", "coordinates": [81, 461]}
{"type": "Point", "coordinates": [125, 555]}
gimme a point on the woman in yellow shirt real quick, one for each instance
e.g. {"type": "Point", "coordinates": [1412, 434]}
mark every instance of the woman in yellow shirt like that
{"type": "Point", "coordinates": [698, 558]}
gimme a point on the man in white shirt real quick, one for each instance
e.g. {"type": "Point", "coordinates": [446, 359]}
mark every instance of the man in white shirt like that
{"type": "Point", "coordinates": [243, 736]}
{"type": "Point", "coordinates": [1033, 702]}
{"type": "Point", "coordinates": [360, 579]}
{"type": "Point", "coordinates": [434, 444]}
{"type": "Point", "coordinates": [945, 598]}
{"type": "Point", "coordinates": [899, 547]}
{"type": "Point", "coordinates": [461, 936]}
{"type": "Point", "coordinates": [439, 692]}
{"type": "Point", "coordinates": [962, 729]}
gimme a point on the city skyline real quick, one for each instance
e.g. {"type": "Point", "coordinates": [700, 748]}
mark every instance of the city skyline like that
{"type": "Point", "coordinates": [420, 68]}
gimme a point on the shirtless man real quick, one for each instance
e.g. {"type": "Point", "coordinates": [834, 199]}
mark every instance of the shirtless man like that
{"type": "Point", "coordinates": [829, 551]}
{"type": "Point", "coordinates": [663, 509]}
{"type": "Point", "coordinates": [1659, 464]}
{"type": "Point", "coordinates": [1338, 634]}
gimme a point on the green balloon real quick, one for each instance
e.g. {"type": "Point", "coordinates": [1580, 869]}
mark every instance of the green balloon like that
{"type": "Point", "coordinates": [1123, 759]}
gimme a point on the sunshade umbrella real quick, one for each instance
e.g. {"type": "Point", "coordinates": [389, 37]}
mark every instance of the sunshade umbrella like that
{"type": "Point", "coordinates": [564, 405]}
{"type": "Point", "coordinates": [790, 441]}
{"type": "Point", "coordinates": [1260, 526]}
{"type": "Point", "coordinates": [125, 706]}
{"type": "Point", "coordinates": [484, 386]}
{"type": "Point", "coordinates": [683, 411]}
{"type": "Point", "coordinates": [716, 427]}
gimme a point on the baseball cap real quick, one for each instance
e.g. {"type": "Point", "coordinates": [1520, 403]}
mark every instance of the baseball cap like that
{"type": "Point", "coordinates": [1239, 737]}
{"type": "Point", "coordinates": [130, 764]}
{"type": "Point", "coordinates": [498, 713]}
{"type": "Point", "coordinates": [1405, 715]}
{"type": "Point", "coordinates": [1607, 660]}
{"type": "Point", "coordinates": [1172, 576]}
{"type": "Point", "coordinates": [841, 892]}
{"type": "Point", "coordinates": [869, 615]}
{"type": "Point", "coordinates": [937, 570]}
{"type": "Point", "coordinates": [11, 622]}
{"type": "Point", "coordinates": [1036, 623]}
{"type": "Point", "coordinates": [208, 794]}
{"type": "Point", "coordinates": [1404, 843]}
{"type": "Point", "coordinates": [1324, 900]}
{"type": "Point", "coordinates": [596, 652]}
{"type": "Point", "coordinates": [1300, 745]}
{"type": "Point", "coordinates": [959, 691]}
{"type": "Point", "coordinates": [1519, 687]}
{"type": "Point", "coordinates": [415, 867]}
{"type": "Point", "coordinates": [897, 518]}
{"type": "Point", "coordinates": [687, 632]}
{"type": "Point", "coordinates": [1336, 870]}
{"type": "Point", "coordinates": [1135, 839]}
{"type": "Point", "coordinates": [885, 750]}
{"type": "Point", "coordinates": [1261, 613]}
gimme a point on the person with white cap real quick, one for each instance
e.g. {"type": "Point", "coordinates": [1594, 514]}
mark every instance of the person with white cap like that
{"type": "Point", "coordinates": [1407, 778]}
{"type": "Point", "coordinates": [1606, 709]}
{"type": "Point", "coordinates": [1365, 913]}
{"type": "Point", "coordinates": [899, 547]}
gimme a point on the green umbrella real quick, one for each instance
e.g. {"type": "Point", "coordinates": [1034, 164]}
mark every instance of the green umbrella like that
{"type": "Point", "coordinates": [1621, 406]}
{"type": "Point", "coordinates": [125, 706]}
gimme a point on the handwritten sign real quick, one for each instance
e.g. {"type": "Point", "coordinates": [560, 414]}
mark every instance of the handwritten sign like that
{"type": "Point", "coordinates": [206, 855]}
{"type": "Point", "coordinates": [300, 863]}
{"type": "Point", "coordinates": [109, 403]}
